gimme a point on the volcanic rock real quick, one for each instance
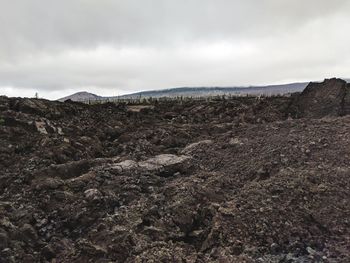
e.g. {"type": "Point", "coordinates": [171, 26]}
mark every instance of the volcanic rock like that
{"type": "Point", "coordinates": [231, 179]}
{"type": "Point", "coordinates": [328, 98]}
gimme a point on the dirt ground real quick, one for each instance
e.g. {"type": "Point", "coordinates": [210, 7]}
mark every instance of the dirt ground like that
{"type": "Point", "coordinates": [240, 179]}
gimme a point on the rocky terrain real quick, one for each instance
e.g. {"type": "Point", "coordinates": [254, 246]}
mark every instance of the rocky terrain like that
{"type": "Point", "coordinates": [243, 179]}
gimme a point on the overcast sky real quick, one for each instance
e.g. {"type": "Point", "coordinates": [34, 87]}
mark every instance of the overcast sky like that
{"type": "Point", "coordinates": [113, 47]}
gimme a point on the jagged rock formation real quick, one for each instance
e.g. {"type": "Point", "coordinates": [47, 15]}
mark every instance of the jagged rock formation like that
{"type": "Point", "coordinates": [328, 98]}
{"type": "Point", "coordinates": [231, 180]}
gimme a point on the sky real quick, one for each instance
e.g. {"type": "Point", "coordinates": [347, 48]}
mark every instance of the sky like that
{"type": "Point", "coordinates": [114, 47]}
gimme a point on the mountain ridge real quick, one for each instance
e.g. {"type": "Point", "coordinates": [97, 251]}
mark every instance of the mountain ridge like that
{"type": "Point", "coordinates": [196, 92]}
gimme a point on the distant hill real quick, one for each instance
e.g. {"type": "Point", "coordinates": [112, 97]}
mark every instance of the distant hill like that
{"type": "Point", "coordinates": [217, 91]}
{"type": "Point", "coordinates": [197, 92]}
{"type": "Point", "coordinates": [81, 96]}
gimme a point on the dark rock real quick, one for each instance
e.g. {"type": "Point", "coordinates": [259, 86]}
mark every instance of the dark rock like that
{"type": "Point", "coordinates": [48, 252]}
{"type": "Point", "coordinates": [329, 98]}
{"type": "Point", "coordinates": [29, 233]}
{"type": "Point", "coordinates": [47, 183]}
{"type": "Point", "coordinates": [4, 240]}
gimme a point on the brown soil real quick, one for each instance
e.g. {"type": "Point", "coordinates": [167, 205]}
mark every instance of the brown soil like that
{"type": "Point", "coordinates": [220, 180]}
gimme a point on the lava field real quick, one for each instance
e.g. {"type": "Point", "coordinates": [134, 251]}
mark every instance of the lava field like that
{"type": "Point", "coordinates": [231, 179]}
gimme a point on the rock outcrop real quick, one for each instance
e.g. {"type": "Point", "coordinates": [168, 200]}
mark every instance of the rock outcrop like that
{"type": "Point", "coordinates": [328, 98]}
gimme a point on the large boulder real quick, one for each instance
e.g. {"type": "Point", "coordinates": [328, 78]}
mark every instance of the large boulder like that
{"type": "Point", "coordinates": [328, 98]}
{"type": "Point", "coordinates": [163, 165]}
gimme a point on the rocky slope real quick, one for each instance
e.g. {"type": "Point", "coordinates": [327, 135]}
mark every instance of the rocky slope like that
{"type": "Point", "coordinates": [238, 180]}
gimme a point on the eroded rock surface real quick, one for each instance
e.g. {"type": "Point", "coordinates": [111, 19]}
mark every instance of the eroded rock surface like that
{"type": "Point", "coordinates": [328, 98]}
{"type": "Point", "coordinates": [221, 180]}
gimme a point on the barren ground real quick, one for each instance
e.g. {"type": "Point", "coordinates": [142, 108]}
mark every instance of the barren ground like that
{"type": "Point", "coordinates": [228, 180]}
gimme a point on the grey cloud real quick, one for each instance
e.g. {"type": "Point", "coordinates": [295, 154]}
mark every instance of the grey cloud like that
{"type": "Point", "coordinates": [54, 45]}
{"type": "Point", "coordinates": [40, 25]}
